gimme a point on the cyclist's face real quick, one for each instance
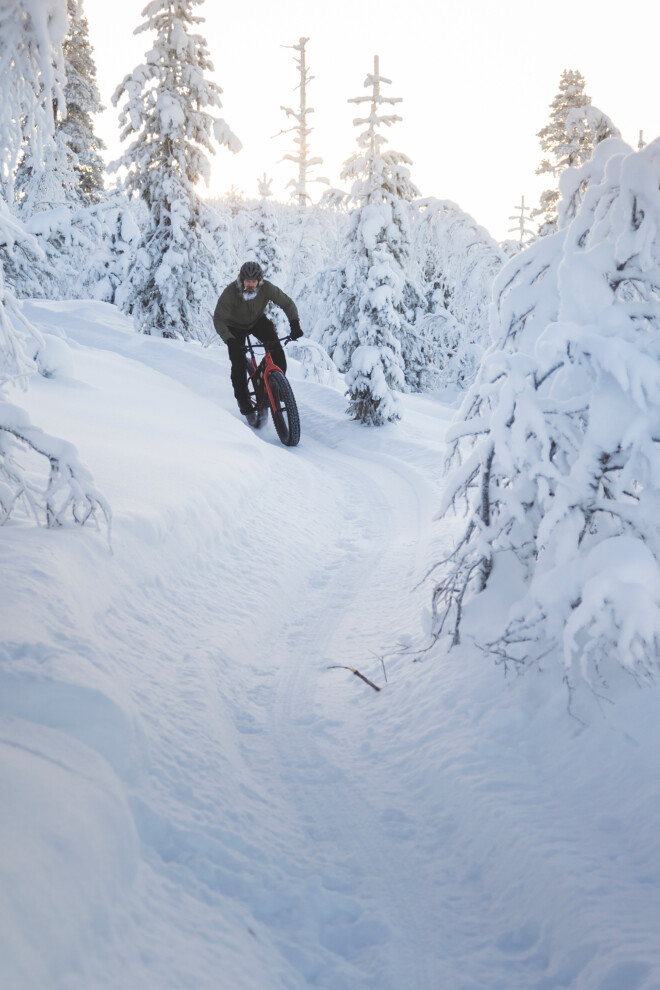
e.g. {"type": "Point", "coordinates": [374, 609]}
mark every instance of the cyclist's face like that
{"type": "Point", "coordinates": [250, 284]}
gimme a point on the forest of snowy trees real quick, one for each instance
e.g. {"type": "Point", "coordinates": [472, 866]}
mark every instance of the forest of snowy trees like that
{"type": "Point", "coordinates": [369, 265]}
{"type": "Point", "coordinates": [552, 342]}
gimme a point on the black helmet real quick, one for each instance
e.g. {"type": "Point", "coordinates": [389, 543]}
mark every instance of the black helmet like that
{"type": "Point", "coordinates": [251, 271]}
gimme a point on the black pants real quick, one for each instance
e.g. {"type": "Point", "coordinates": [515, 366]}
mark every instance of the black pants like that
{"type": "Point", "coordinates": [264, 330]}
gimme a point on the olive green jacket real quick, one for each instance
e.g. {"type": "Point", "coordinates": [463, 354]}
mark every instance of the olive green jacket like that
{"type": "Point", "coordinates": [234, 312]}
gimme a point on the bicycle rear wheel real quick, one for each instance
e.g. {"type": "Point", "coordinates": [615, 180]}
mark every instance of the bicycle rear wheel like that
{"type": "Point", "coordinates": [285, 410]}
{"type": "Point", "coordinates": [259, 414]}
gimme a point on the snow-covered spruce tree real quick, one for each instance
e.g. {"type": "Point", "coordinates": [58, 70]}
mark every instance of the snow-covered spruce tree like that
{"type": "Point", "coordinates": [575, 129]}
{"type": "Point", "coordinates": [104, 258]}
{"type": "Point", "coordinates": [302, 131]}
{"type": "Point", "coordinates": [34, 171]}
{"type": "Point", "coordinates": [559, 439]}
{"type": "Point", "coordinates": [219, 222]}
{"type": "Point", "coordinates": [45, 178]}
{"type": "Point", "coordinates": [459, 261]}
{"type": "Point", "coordinates": [82, 101]}
{"type": "Point", "coordinates": [263, 240]}
{"type": "Point", "coordinates": [31, 81]}
{"type": "Point", "coordinates": [173, 279]}
{"type": "Point", "coordinates": [31, 71]}
{"type": "Point", "coordinates": [311, 241]}
{"type": "Point", "coordinates": [59, 181]}
{"type": "Point", "coordinates": [31, 38]}
{"type": "Point", "coordinates": [366, 322]}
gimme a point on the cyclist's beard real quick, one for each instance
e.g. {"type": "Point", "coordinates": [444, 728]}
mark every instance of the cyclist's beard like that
{"type": "Point", "coordinates": [250, 295]}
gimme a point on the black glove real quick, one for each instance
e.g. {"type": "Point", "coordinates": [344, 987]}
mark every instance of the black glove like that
{"type": "Point", "coordinates": [295, 330]}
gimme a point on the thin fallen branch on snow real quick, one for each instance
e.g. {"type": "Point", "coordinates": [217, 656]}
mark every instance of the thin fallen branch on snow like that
{"type": "Point", "coordinates": [340, 666]}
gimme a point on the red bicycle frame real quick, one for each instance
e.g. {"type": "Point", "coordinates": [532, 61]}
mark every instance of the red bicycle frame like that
{"type": "Point", "coordinates": [261, 373]}
{"type": "Point", "coordinates": [268, 387]}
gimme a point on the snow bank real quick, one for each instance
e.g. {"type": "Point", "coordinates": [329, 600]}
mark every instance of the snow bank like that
{"type": "Point", "coordinates": [69, 848]}
{"type": "Point", "coordinates": [71, 741]}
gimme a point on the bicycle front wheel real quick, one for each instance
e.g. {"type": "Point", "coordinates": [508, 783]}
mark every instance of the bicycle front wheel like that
{"type": "Point", "coordinates": [285, 410]}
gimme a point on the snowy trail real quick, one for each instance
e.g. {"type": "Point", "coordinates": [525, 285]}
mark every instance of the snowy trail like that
{"type": "Point", "coordinates": [379, 932]}
{"type": "Point", "coordinates": [280, 661]}
{"type": "Point", "coordinates": [210, 806]}
{"type": "Point", "coordinates": [223, 627]}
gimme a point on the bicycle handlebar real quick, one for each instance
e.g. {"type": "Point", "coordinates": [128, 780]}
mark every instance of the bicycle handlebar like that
{"type": "Point", "coordinates": [282, 340]}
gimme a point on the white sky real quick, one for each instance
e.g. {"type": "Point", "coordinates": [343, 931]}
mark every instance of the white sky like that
{"type": "Point", "coordinates": [476, 78]}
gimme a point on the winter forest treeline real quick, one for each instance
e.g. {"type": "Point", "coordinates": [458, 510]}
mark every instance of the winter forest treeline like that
{"type": "Point", "coordinates": [551, 339]}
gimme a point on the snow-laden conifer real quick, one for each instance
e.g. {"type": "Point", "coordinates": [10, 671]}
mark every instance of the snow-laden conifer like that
{"type": "Point", "coordinates": [82, 101]}
{"type": "Point", "coordinates": [109, 237]}
{"type": "Point", "coordinates": [45, 177]}
{"type": "Point", "coordinates": [41, 181]}
{"type": "Point", "coordinates": [312, 242]}
{"type": "Point", "coordinates": [263, 241]}
{"type": "Point", "coordinates": [370, 301]}
{"type": "Point", "coordinates": [557, 444]}
{"type": "Point", "coordinates": [42, 175]}
{"type": "Point", "coordinates": [219, 222]}
{"type": "Point", "coordinates": [32, 34]}
{"type": "Point", "coordinates": [31, 73]}
{"type": "Point", "coordinates": [59, 175]}
{"type": "Point", "coordinates": [31, 79]}
{"type": "Point", "coordinates": [165, 113]}
{"type": "Point", "coordinates": [459, 261]}
{"type": "Point", "coordinates": [574, 130]}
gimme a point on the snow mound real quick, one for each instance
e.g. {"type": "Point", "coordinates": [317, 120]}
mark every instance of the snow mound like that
{"type": "Point", "coordinates": [54, 358]}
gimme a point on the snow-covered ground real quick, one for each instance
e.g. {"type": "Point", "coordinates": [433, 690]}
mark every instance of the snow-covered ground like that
{"type": "Point", "coordinates": [190, 795]}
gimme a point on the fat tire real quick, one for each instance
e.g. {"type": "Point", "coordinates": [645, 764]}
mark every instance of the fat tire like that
{"type": "Point", "coordinates": [284, 409]}
{"type": "Point", "coordinates": [259, 414]}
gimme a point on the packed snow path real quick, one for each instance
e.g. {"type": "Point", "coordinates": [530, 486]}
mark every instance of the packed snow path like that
{"type": "Point", "coordinates": [202, 802]}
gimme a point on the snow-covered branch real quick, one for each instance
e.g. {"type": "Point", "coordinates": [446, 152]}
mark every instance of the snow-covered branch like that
{"type": "Point", "coordinates": [556, 444]}
{"type": "Point", "coordinates": [68, 491]}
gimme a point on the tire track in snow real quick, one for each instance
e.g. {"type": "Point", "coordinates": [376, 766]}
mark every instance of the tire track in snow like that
{"type": "Point", "coordinates": [365, 853]}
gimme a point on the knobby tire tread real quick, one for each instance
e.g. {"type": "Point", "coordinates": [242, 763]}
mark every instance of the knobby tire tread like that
{"type": "Point", "coordinates": [260, 414]}
{"type": "Point", "coordinates": [287, 420]}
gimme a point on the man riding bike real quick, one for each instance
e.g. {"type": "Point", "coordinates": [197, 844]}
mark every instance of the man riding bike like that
{"type": "Point", "coordinates": [240, 311]}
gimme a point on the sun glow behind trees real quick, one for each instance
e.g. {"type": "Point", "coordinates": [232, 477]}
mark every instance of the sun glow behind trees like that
{"type": "Point", "coordinates": [476, 81]}
{"type": "Point", "coordinates": [396, 289]}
